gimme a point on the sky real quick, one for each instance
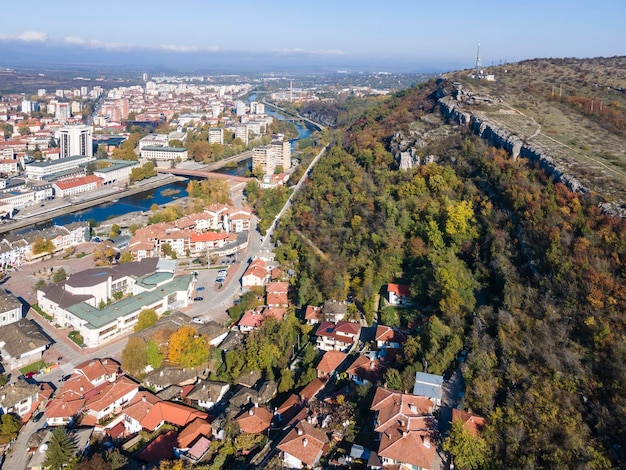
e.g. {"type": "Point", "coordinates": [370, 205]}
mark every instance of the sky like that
{"type": "Point", "coordinates": [405, 35]}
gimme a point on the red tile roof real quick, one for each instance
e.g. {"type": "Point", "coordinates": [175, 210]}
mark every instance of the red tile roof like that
{"type": "Point", "coordinates": [305, 443]}
{"type": "Point", "coordinates": [330, 361]}
{"type": "Point", "coordinates": [161, 448]}
{"type": "Point", "coordinates": [389, 335]}
{"type": "Point", "coordinates": [400, 290]}
{"type": "Point", "coordinates": [313, 313]}
{"type": "Point", "coordinates": [277, 288]}
{"type": "Point", "coordinates": [172, 413]}
{"type": "Point", "coordinates": [473, 423]}
{"type": "Point", "coordinates": [75, 182]}
{"type": "Point", "coordinates": [96, 368]}
{"type": "Point", "coordinates": [198, 427]}
{"type": "Point", "coordinates": [368, 369]}
{"type": "Point", "coordinates": [255, 420]}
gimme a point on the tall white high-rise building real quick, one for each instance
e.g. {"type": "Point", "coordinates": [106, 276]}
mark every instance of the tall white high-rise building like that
{"type": "Point", "coordinates": [240, 108]}
{"type": "Point", "coordinates": [75, 140]}
{"type": "Point", "coordinates": [62, 112]}
{"type": "Point", "coordinates": [27, 106]}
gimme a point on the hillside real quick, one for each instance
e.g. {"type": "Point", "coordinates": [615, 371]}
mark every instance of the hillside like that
{"type": "Point", "coordinates": [574, 110]}
{"type": "Point", "coordinates": [499, 257]}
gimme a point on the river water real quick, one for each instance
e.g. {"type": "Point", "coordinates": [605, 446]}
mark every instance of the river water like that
{"type": "Point", "coordinates": [143, 201]}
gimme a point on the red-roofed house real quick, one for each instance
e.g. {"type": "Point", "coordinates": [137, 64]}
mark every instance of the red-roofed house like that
{"type": "Point", "coordinates": [303, 446]}
{"type": "Point", "coordinates": [256, 274]}
{"type": "Point", "coordinates": [405, 425]}
{"type": "Point", "coordinates": [252, 319]}
{"type": "Point", "coordinates": [201, 242]}
{"type": "Point", "coordinates": [74, 186]}
{"type": "Point", "coordinates": [239, 221]}
{"type": "Point", "coordinates": [198, 427]}
{"type": "Point", "coordinates": [110, 399]}
{"type": "Point", "coordinates": [168, 412]}
{"type": "Point", "coordinates": [473, 423]}
{"type": "Point", "coordinates": [399, 295]}
{"type": "Point", "coordinates": [256, 420]}
{"type": "Point", "coordinates": [340, 336]}
{"type": "Point", "coordinates": [98, 371]}
{"type": "Point", "coordinates": [366, 370]}
{"type": "Point", "coordinates": [161, 448]}
{"type": "Point", "coordinates": [138, 409]}
{"type": "Point", "coordinates": [389, 338]}
{"type": "Point", "coordinates": [313, 314]}
{"type": "Point", "coordinates": [329, 363]}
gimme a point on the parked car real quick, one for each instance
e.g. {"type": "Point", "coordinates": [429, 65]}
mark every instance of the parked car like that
{"type": "Point", "coordinates": [29, 375]}
{"type": "Point", "coordinates": [198, 299]}
{"type": "Point", "coordinates": [200, 288]}
{"type": "Point", "coordinates": [38, 416]}
{"type": "Point", "coordinates": [463, 355]}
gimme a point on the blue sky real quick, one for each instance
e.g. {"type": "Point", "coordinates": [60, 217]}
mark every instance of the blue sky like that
{"type": "Point", "coordinates": [410, 33]}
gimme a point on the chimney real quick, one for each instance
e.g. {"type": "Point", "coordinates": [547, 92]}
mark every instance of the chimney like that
{"type": "Point", "coordinates": [256, 404]}
{"type": "Point", "coordinates": [251, 412]}
{"type": "Point", "coordinates": [161, 374]}
{"type": "Point", "coordinates": [300, 432]}
{"type": "Point", "coordinates": [305, 441]}
{"type": "Point", "coordinates": [105, 362]}
{"type": "Point", "coordinates": [144, 399]}
{"type": "Point", "coordinates": [426, 439]}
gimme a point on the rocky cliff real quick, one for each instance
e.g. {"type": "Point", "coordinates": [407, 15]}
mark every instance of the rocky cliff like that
{"type": "Point", "coordinates": [454, 108]}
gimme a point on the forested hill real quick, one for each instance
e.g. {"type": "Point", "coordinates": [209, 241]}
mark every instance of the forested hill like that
{"type": "Point", "coordinates": [499, 258]}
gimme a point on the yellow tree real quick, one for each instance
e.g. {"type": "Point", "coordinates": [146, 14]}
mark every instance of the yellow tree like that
{"type": "Point", "coordinates": [187, 348]}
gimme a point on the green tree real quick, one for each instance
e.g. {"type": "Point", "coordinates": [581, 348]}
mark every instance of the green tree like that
{"type": "Point", "coordinates": [468, 451]}
{"type": "Point", "coordinates": [126, 257]}
{"type": "Point", "coordinates": [40, 284]}
{"type": "Point", "coordinates": [115, 231]}
{"type": "Point", "coordinates": [9, 427]}
{"type": "Point", "coordinates": [146, 319]}
{"type": "Point", "coordinates": [154, 356]}
{"type": "Point", "coordinates": [135, 356]}
{"type": "Point", "coordinates": [117, 459]}
{"type": "Point", "coordinates": [24, 129]}
{"type": "Point", "coordinates": [59, 275]}
{"type": "Point", "coordinates": [393, 379]}
{"type": "Point", "coordinates": [287, 381]}
{"type": "Point", "coordinates": [61, 450]}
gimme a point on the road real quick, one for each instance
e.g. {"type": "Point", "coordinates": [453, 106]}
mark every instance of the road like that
{"type": "Point", "coordinates": [305, 176]}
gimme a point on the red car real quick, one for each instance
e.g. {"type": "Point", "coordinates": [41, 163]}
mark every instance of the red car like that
{"type": "Point", "coordinates": [29, 375]}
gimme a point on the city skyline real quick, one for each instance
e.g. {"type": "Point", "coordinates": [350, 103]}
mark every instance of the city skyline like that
{"type": "Point", "coordinates": [404, 36]}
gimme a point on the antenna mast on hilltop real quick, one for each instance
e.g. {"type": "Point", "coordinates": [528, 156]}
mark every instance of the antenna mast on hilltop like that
{"type": "Point", "coordinates": [478, 65]}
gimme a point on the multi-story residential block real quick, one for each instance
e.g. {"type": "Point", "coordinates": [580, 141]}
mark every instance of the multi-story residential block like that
{"type": "Point", "coordinates": [216, 135]}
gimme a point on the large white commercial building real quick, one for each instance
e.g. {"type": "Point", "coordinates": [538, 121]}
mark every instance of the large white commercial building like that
{"type": "Point", "coordinates": [164, 153]}
{"type": "Point", "coordinates": [76, 140]}
{"type": "Point", "coordinates": [39, 170]}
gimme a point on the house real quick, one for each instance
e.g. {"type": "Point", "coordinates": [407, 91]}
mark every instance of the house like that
{"type": "Point", "coordinates": [303, 446]}
{"type": "Point", "coordinates": [10, 308]}
{"type": "Point", "coordinates": [188, 435]}
{"type": "Point", "coordinates": [246, 396]}
{"type": "Point", "coordinates": [98, 371]}
{"type": "Point", "coordinates": [109, 399]}
{"type": "Point", "coordinates": [168, 412]}
{"type": "Point", "coordinates": [137, 410]}
{"type": "Point", "coordinates": [389, 338]}
{"type": "Point", "coordinates": [313, 314]}
{"type": "Point", "coordinates": [367, 369]}
{"type": "Point", "coordinates": [256, 420]}
{"type": "Point", "coordinates": [295, 403]}
{"type": "Point", "coordinates": [329, 363]}
{"type": "Point", "coordinates": [341, 336]}
{"type": "Point", "coordinates": [252, 319]}
{"type": "Point", "coordinates": [276, 294]}
{"type": "Point", "coordinates": [334, 311]}
{"type": "Point", "coordinates": [214, 331]}
{"type": "Point", "coordinates": [206, 393]}
{"type": "Point", "coordinates": [429, 385]}
{"type": "Point", "coordinates": [18, 397]}
{"type": "Point", "coordinates": [399, 295]}
{"type": "Point", "coordinates": [164, 376]}
{"type": "Point", "coordinates": [472, 422]}
{"type": "Point", "coordinates": [22, 343]}
{"type": "Point", "coordinates": [256, 275]}
{"type": "Point", "coordinates": [406, 429]}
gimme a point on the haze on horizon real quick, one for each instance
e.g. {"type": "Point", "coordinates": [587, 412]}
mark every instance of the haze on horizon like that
{"type": "Point", "coordinates": [396, 35]}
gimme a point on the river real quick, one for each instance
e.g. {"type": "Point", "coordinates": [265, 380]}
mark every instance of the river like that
{"type": "Point", "coordinates": [143, 201]}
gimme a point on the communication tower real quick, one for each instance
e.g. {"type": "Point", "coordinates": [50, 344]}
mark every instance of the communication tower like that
{"type": "Point", "coordinates": [478, 64]}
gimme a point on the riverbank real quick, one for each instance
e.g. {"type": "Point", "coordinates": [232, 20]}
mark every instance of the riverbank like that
{"type": "Point", "coordinates": [36, 215]}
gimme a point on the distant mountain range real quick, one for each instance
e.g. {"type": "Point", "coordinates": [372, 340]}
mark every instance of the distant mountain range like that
{"type": "Point", "coordinates": [34, 54]}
